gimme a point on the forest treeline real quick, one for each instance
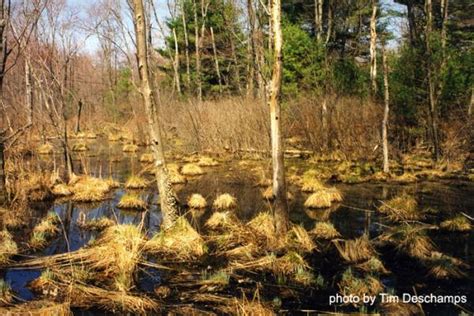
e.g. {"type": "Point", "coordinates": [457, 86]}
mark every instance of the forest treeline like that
{"type": "Point", "coordinates": [211, 61]}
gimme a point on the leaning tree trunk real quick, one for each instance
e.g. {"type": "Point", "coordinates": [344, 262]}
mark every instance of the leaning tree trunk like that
{"type": "Point", "coordinates": [79, 112]}
{"type": "Point", "coordinates": [373, 49]}
{"type": "Point", "coordinates": [280, 210]}
{"type": "Point", "coordinates": [3, 188]}
{"type": "Point", "coordinates": [386, 167]}
{"type": "Point", "coordinates": [431, 83]}
{"type": "Point", "coordinates": [168, 200]}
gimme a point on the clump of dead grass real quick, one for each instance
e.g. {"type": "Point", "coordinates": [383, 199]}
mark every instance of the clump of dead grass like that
{"type": "Point", "coordinates": [131, 201]}
{"type": "Point", "coordinates": [268, 194]}
{"type": "Point", "coordinates": [299, 239]}
{"type": "Point", "coordinates": [180, 241]}
{"type": "Point", "coordinates": [355, 250]}
{"type": "Point", "coordinates": [373, 265]}
{"type": "Point", "coordinates": [130, 148]}
{"type": "Point", "coordinates": [320, 199]}
{"type": "Point", "coordinates": [207, 162]}
{"type": "Point", "coordinates": [224, 202]}
{"type": "Point", "coordinates": [311, 184]}
{"type": "Point", "coordinates": [45, 149]}
{"type": "Point", "coordinates": [89, 189]}
{"type": "Point", "coordinates": [456, 224]}
{"type": "Point", "coordinates": [442, 266]}
{"type": "Point", "coordinates": [80, 146]}
{"type": "Point", "coordinates": [325, 230]}
{"type": "Point", "coordinates": [97, 224]}
{"type": "Point", "coordinates": [61, 189]}
{"type": "Point", "coordinates": [38, 307]}
{"type": "Point", "coordinates": [147, 158]}
{"type": "Point", "coordinates": [8, 247]}
{"type": "Point", "coordinates": [197, 201]}
{"type": "Point", "coordinates": [136, 182]}
{"type": "Point", "coordinates": [401, 208]}
{"type": "Point", "coordinates": [411, 240]}
{"type": "Point", "coordinates": [44, 231]}
{"type": "Point", "coordinates": [36, 187]}
{"type": "Point", "coordinates": [356, 286]}
{"type": "Point", "coordinates": [191, 169]}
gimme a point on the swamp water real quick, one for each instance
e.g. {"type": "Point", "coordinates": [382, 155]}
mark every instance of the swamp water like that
{"type": "Point", "coordinates": [356, 215]}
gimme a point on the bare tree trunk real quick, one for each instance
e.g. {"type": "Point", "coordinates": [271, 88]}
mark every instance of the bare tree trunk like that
{"type": "Point", "coordinates": [444, 15]}
{"type": "Point", "coordinates": [431, 83]}
{"type": "Point", "coordinates": [318, 19]}
{"type": "Point", "coordinates": [197, 52]}
{"type": "Point", "coordinates": [324, 122]}
{"type": "Point", "coordinates": [168, 200]}
{"type": "Point", "coordinates": [186, 46]}
{"type": "Point", "coordinates": [79, 112]}
{"type": "Point", "coordinates": [252, 70]}
{"type": "Point", "coordinates": [386, 167]}
{"type": "Point", "coordinates": [373, 47]}
{"type": "Point", "coordinates": [3, 188]}
{"type": "Point", "coordinates": [281, 216]}
{"type": "Point", "coordinates": [329, 23]}
{"type": "Point", "coordinates": [469, 108]}
{"type": "Point", "coordinates": [176, 63]}
{"type": "Point", "coordinates": [216, 61]}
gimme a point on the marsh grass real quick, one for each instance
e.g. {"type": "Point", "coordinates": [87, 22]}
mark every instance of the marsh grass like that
{"type": "Point", "coordinates": [136, 182]}
{"type": "Point", "coordinates": [147, 158]}
{"type": "Point", "coordinates": [311, 184]}
{"type": "Point", "coordinates": [44, 231]}
{"type": "Point", "coordinates": [355, 250]}
{"type": "Point", "coordinates": [373, 266]}
{"type": "Point", "coordinates": [97, 224]}
{"type": "Point", "coordinates": [35, 187]}
{"type": "Point", "coordinates": [131, 201]}
{"type": "Point", "coordinates": [130, 148]}
{"type": "Point", "coordinates": [268, 194]}
{"type": "Point", "coordinates": [224, 202]}
{"type": "Point", "coordinates": [299, 239]}
{"type": "Point", "coordinates": [191, 169]}
{"type": "Point", "coordinates": [179, 242]}
{"type": "Point", "coordinates": [456, 224]}
{"type": "Point", "coordinates": [89, 189]}
{"type": "Point", "coordinates": [6, 294]}
{"type": "Point", "coordinates": [325, 230]}
{"type": "Point", "coordinates": [8, 247]}
{"type": "Point", "coordinates": [45, 149]}
{"type": "Point", "coordinates": [197, 201]}
{"type": "Point", "coordinates": [351, 284]}
{"type": "Point", "coordinates": [401, 208]}
{"type": "Point", "coordinates": [411, 240]}
{"type": "Point", "coordinates": [442, 266]}
{"type": "Point", "coordinates": [320, 199]}
{"type": "Point", "coordinates": [38, 308]}
{"type": "Point", "coordinates": [61, 189]}
{"type": "Point", "coordinates": [80, 146]}
{"type": "Point", "coordinates": [207, 162]}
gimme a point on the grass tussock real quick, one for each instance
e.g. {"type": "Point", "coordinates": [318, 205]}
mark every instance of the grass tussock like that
{"type": "Point", "coordinates": [191, 169]}
{"type": "Point", "coordinates": [335, 194]}
{"type": "Point", "coordinates": [97, 224]}
{"type": "Point", "coordinates": [8, 247]}
{"type": "Point", "coordinates": [442, 266]}
{"type": "Point", "coordinates": [312, 184]}
{"type": "Point", "coordinates": [147, 158]}
{"type": "Point", "coordinates": [325, 230]}
{"type": "Point", "coordinates": [136, 182]}
{"type": "Point", "coordinates": [44, 231]}
{"type": "Point", "coordinates": [373, 265]}
{"type": "Point", "coordinates": [89, 189]}
{"type": "Point", "coordinates": [175, 177]}
{"type": "Point", "coordinates": [131, 201]}
{"type": "Point", "coordinates": [207, 162]}
{"type": "Point", "coordinates": [224, 202]}
{"type": "Point", "coordinates": [456, 224]}
{"type": "Point", "coordinates": [81, 146]}
{"type": "Point", "coordinates": [45, 149]}
{"type": "Point", "coordinates": [263, 226]}
{"type": "Point", "coordinates": [400, 308]}
{"type": "Point", "coordinates": [350, 284]}
{"type": "Point", "coordinates": [299, 239]}
{"type": "Point", "coordinates": [197, 201]}
{"type": "Point", "coordinates": [411, 240]}
{"type": "Point", "coordinates": [38, 308]}
{"type": "Point", "coordinates": [225, 220]}
{"type": "Point", "coordinates": [320, 199]}
{"type": "Point", "coordinates": [130, 148]}
{"type": "Point", "coordinates": [268, 194]}
{"type": "Point", "coordinates": [112, 183]}
{"type": "Point", "coordinates": [355, 250]}
{"type": "Point", "coordinates": [6, 294]}
{"type": "Point", "coordinates": [36, 187]}
{"type": "Point", "coordinates": [401, 208]}
{"type": "Point", "coordinates": [180, 241]}
{"type": "Point", "coordinates": [61, 189]}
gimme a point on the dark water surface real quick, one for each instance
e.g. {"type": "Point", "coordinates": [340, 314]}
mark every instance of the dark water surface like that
{"type": "Point", "coordinates": [353, 217]}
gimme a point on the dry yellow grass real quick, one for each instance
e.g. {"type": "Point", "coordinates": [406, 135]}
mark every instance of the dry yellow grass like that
{"type": "Point", "coordinates": [401, 208]}
{"type": "Point", "coordinates": [175, 177]}
{"type": "Point", "coordinates": [353, 285]}
{"type": "Point", "coordinates": [131, 201]}
{"type": "Point", "coordinates": [80, 147]}
{"type": "Point", "coordinates": [130, 148]}
{"type": "Point", "coordinates": [8, 247]}
{"type": "Point", "coordinates": [147, 158]}
{"type": "Point", "coordinates": [224, 201]}
{"type": "Point", "coordinates": [180, 241]}
{"type": "Point", "coordinates": [197, 201]}
{"type": "Point", "coordinates": [136, 182]}
{"type": "Point", "coordinates": [311, 184]}
{"type": "Point", "coordinates": [113, 137]}
{"type": "Point", "coordinates": [320, 199]}
{"type": "Point", "coordinates": [191, 169]}
{"type": "Point", "coordinates": [44, 231]}
{"type": "Point", "coordinates": [222, 220]}
{"type": "Point", "coordinates": [37, 308]}
{"type": "Point", "coordinates": [45, 149]}
{"type": "Point", "coordinates": [325, 230]}
{"type": "Point", "coordinates": [355, 250]}
{"type": "Point", "coordinates": [373, 265]}
{"type": "Point", "coordinates": [442, 266]}
{"type": "Point", "coordinates": [299, 239]}
{"type": "Point", "coordinates": [456, 224]}
{"type": "Point", "coordinates": [268, 194]}
{"type": "Point", "coordinates": [97, 224]}
{"type": "Point", "coordinates": [411, 240]}
{"type": "Point", "coordinates": [207, 162]}
{"type": "Point", "coordinates": [61, 190]}
{"type": "Point", "coordinates": [335, 194]}
{"type": "Point", "coordinates": [89, 189]}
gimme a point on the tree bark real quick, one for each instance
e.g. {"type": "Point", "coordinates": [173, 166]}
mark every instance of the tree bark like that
{"type": "Point", "coordinates": [252, 58]}
{"type": "Point", "coordinates": [197, 52]}
{"type": "Point", "coordinates": [3, 188]}
{"type": "Point", "coordinates": [186, 46]}
{"type": "Point", "coordinates": [431, 83]}
{"type": "Point", "coordinates": [281, 216]}
{"type": "Point", "coordinates": [318, 19]}
{"type": "Point", "coordinates": [176, 63]}
{"type": "Point", "coordinates": [216, 61]}
{"type": "Point", "coordinates": [373, 47]}
{"type": "Point", "coordinates": [386, 167]}
{"type": "Point", "coordinates": [444, 16]}
{"type": "Point", "coordinates": [79, 112]}
{"type": "Point", "coordinates": [168, 200]}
